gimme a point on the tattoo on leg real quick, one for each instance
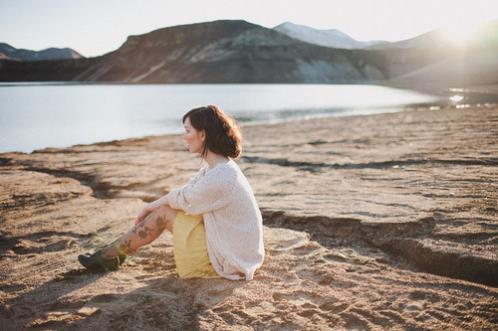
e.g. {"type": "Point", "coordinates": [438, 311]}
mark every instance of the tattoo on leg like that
{"type": "Point", "coordinates": [124, 247]}
{"type": "Point", "coordinates": [141, 230]}
{"type": "Point", "coordinates": [143, 233]}
{"type": "Point", "coordinates": [118, 246]}
{"type": "Point", "coordinates": [161, 222]}
{"type": "Point", "coordinates": [136, 227]}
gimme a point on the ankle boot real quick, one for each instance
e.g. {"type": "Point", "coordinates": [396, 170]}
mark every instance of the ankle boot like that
{"type": "Point", "coordinates": [96, 262]}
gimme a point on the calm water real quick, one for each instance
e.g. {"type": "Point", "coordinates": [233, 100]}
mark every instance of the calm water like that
{"type": "Point", "coordinates": [34, 116]}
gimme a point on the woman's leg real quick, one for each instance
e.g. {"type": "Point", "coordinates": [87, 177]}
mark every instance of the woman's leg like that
{"type": "Point", "coordinates": [142, 233]}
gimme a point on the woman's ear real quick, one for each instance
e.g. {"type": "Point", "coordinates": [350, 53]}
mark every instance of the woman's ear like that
{"type": "Point", "coordinates": [203, 135]}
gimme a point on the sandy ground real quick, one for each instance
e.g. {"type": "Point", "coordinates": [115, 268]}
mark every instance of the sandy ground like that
{"type": "Point", "coordinates": [387, 221]}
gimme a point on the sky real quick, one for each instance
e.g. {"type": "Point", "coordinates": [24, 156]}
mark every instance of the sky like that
{"type": "Point", "coordinates": [95, 27]}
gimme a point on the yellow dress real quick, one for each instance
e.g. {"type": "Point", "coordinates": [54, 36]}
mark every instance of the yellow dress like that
{"type": "Point", "coordinates": [189, 245]}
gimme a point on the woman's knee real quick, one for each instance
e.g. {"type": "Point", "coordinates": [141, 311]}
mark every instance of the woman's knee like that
{"type": "Point", "coordinates": [168, 212]}
{"type": "Point", "coordinates": [163, 216]}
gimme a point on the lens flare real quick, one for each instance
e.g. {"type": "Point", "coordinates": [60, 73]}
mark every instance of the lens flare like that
{"type": "Point", "coordinates": [461, 35]}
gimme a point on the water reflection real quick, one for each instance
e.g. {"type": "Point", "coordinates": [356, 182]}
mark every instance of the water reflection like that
{"type": "Point", "coordinates": [456, 98]}
{"type": "Point", "coordinates": [43, 115]}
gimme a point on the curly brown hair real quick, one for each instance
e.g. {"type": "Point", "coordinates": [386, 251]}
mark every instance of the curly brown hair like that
{"type": "Point", "coordinates": [222, 132]}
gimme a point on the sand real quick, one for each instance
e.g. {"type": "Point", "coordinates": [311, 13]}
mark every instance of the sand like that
{"type": "Point", "coordinates": [386, 221]}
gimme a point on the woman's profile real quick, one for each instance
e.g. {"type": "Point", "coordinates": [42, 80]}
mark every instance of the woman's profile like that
{"type": "Point", "coordinates": [214, 218]}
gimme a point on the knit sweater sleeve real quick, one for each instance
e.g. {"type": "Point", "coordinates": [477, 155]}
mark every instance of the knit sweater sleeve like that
{"type": "Point", "coordinates": [196, 176]}
{"type": "Point", "coordinates": [205, 194]}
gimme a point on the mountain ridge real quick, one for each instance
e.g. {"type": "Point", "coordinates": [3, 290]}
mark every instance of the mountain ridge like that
{"type": "Point", "coordinates": [324, 37]}
{"type": "Point", "coordinates": [10, 52]}
{"type": "Point", "coordinates": [237, 51]}
{"type": "Point", "coordinates": [222, 51]}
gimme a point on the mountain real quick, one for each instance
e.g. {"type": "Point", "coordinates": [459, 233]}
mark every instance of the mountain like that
{"type": "Point", "coordinates": [235, 51]}
{"type": "Point", "coordinates": [224, 51]}
{"type": "Point", "coordinates": [12, 53]}
{"type": "Point", "coordinates": [329, 38]}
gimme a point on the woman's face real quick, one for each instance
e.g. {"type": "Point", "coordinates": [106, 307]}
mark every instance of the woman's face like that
{"type": "Point", "coordinates": [193, 139]}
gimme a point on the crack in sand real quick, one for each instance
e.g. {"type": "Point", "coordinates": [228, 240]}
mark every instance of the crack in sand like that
{"type": "Point", "coordinates": [39, 242]}
{"type": "Point", "coordinates": [396, 239]}
{"type": "Point", "coordinates": [316, 166]}
{"type": "Point", "coordinates": [99, 190]}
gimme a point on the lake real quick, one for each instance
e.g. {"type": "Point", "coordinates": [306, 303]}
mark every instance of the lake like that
{"type": "Point", "coordinates": [35, 116]}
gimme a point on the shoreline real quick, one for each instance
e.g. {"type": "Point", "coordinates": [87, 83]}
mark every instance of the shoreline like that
{"type": "Point", "coordinates": [421, 106]}
{"type": "Point", "coordinates": [370, 221]}
{"type": "Point", "coordinates": [457, 97]}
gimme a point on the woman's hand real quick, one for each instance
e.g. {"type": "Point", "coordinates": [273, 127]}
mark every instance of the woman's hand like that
{"type": "Point", "coordinates": [143, 214]}
{"type": "Point", "coordinates": [149, 208]}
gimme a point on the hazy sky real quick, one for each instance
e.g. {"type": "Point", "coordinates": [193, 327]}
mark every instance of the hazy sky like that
{"type": "Point", "coordinates": [94, 27]}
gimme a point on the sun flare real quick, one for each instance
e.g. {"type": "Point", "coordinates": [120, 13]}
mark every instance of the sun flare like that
{"type": "Point", "coordinates": [461, 35]}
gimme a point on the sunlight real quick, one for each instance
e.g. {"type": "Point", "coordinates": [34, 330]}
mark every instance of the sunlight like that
{"type": "Point", "coordinates": [456, 98]}
{"type": "Point", "coordinates": [461, 35]}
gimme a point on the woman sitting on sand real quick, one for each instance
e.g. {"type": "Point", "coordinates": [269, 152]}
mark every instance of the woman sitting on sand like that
{"type": "Point", "coordinates": [215, 220]}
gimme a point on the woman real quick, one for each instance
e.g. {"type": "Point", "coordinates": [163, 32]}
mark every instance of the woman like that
{"type": "Point", "coordinates": [215, 220]}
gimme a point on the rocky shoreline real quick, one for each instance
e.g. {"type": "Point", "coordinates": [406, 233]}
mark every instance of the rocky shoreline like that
{"type": "Point", "coordinates": [371, 222]}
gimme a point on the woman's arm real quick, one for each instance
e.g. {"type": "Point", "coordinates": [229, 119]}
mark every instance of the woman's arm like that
{"type": "Point", "coordinates": [149, 208]}
{"type": "Point", "coordinates": [209, 193]}
{"type": "Point", "coordinates": [163, 200]}
{"type": "Point", "coordinates": [157, 203]}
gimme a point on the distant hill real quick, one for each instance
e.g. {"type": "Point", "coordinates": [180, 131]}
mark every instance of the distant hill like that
{"type": "Point", "coordinates": [11, 53]}
{"type": "Point", "coordinates": [224, 51]}
{"type": "Point", "coordinates": [329, 38]}
{"type": "Point", "coordinates": [426, 62]}
{"type": "Point", "coordinates": [236, 51]}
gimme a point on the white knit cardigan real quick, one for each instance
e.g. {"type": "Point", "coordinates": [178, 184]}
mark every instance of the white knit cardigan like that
{"type": "Point", "coordinates": [232, 219]}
